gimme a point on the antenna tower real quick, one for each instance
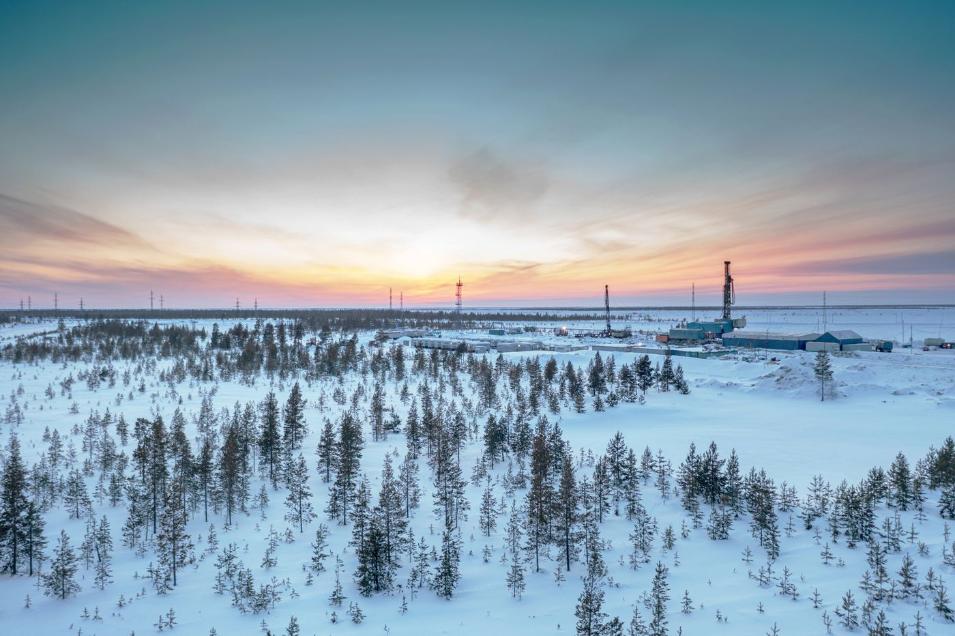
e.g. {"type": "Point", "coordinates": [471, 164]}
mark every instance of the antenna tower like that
{"type": "Point", "coordinates": [457, 295]}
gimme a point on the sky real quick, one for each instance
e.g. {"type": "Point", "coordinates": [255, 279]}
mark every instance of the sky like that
{"type": "Point", "coordinates": [317, 154]}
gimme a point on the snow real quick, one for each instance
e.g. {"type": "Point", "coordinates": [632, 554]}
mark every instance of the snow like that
{"type": "Point", "coordinates": [766, 407]}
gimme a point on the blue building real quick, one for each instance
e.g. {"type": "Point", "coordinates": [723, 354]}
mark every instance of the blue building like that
{"type": "Point", "coordinates": [840, 337]}
{"type": "Point", "coordinates": [767, 340]}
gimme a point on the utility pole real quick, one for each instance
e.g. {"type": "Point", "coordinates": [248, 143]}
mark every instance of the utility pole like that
{"type": "Point", "coordinates": [693, 301]}
{"type": "Point", "coordinates": [825, 317]}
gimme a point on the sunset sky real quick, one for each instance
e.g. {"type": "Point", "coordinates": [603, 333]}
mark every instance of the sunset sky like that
{"type": "Point", "coordinates": [313, 154]}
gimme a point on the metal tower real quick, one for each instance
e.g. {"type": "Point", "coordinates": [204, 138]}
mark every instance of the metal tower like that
{"type": "Point", "coordinates": [56, 301]}
{"type": "Point", "coordinates": [729, 291]}
{"type": "Point", "coordinates": [150, 300]}
{"type": "Point", "coordinates": [607, 306]}
{"type": "Point", "coordinates": [401, 301]}
{"type": "Point", "coordinates": [457, 295]}
{"type": "Point", "coordinates": [390, 306]}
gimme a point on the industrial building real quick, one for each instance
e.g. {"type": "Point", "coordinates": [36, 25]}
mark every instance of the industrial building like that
{"type": "Point", "coordinates": [840, 340]}
{"type": "Point", "coordinates": [449, 344]}
{"type": "Point", "coordinates": [767, 340]}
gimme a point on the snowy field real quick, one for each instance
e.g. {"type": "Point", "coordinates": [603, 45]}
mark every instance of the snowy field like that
{"type": "Point", "coordinates": [767, 410]}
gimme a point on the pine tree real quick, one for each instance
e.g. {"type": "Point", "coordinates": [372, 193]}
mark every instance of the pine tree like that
{"type": "Point", "coordinates": [375, 571]}
{"type": "Point", "coordinates": [173, 542]}
{"type": "Point", "coordinates": [941, 602]}
{"type": "Point", "coordinates": [539, 499]}
{"type": "Point", "coordinates": [299, 497]}
{"type": "Point", "coordinates": [589, 611]}
{"type": "Point", "coordinates": [687, 605]}
{"type": "Point", "coordinates": [326, 452]}
{"type": "Point", "coordinates": [60, 580]}
{"type": "Point", "coordinates": [659, 596]}
{"type": "Point", "coordinates": [848, 612]}
{"type": "Point", "coordinates": [566, 516]}
{"type": "Point", "coordinates": [320, 549]}
{"type": "Point", "coordinates": [270, 443]}
{"type": "Point", "coordinates": [823, 372]}
{"type": "Point", "coordinates": [908, 578]}
{"type": "Point", "coordinates": [348, 460]}
{"type": "Point", "coordinates": [293, 629]}
{"type": "Point", "coordinates": [447, 573]}
{"type": "Point", "coordinates": [14, 510]}
{"type": "Point", "coordinates": [103, 541]}
{"type": "Point", "coordinates": [35, 540]}
{"type": "Point", "coordinates": [232, 489]}
{"type": "Point", "coordinates": [295, 427]}
{"type": "Point", "coordinates": [488, 513]}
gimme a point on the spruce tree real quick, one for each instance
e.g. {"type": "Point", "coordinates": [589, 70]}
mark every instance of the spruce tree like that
{"type": "Point", "coordinates": [173, 543]}
{"type": "Point", "coordinates": [270, 442]}
{"type": "Point", "coordinates": [659, 597]}
{"type": "Point", "coordinates": [299, 497]}
{"type": "Point", "coordinates": [823, 372]}
{"type": "Point", "coordinates": [35, 545]}
{"type": "Point", "coordinates": [13, 510]}
{"type": "Point", "coordinates": [319, 549]}
{"type": "Point", "coordinates": [60, 580]}
{"type": "Point", "coordinates": [295, 429]}
{"type": "Point", "coordinates": [326, 452]}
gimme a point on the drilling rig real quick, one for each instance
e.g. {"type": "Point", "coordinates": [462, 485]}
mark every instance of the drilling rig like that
{"type": "Point", "coordinates": [610, 332]}
{"type": "Point", "coordinates": [729, 291]}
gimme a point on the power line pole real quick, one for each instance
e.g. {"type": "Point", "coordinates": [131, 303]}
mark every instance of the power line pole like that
{"type": "Point", "coordinates": [825, 317]}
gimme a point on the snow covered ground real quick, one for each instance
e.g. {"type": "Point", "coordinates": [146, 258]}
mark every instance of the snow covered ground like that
{"type": "Point", "coordinates": [767, 410]}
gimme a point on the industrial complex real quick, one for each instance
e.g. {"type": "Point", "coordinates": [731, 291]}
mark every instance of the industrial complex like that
{"type": "Point", "coordinates": [694, 338]}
